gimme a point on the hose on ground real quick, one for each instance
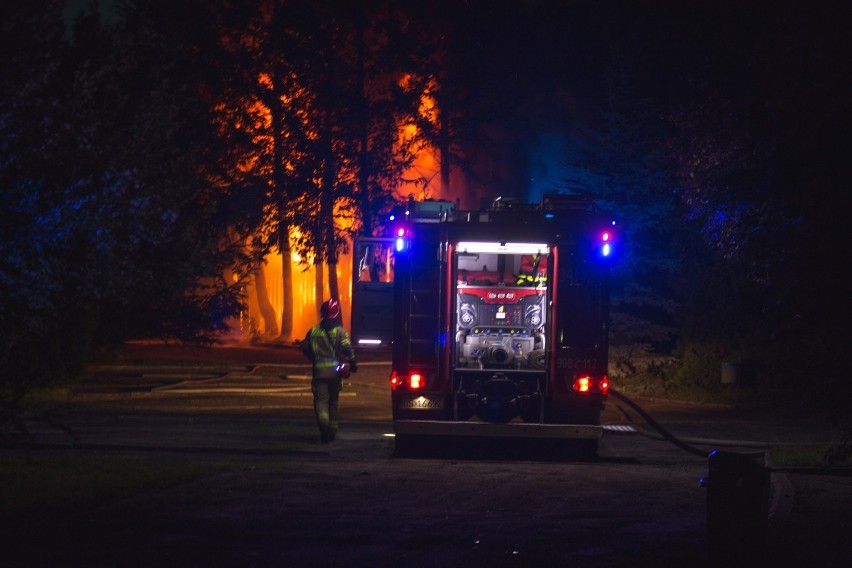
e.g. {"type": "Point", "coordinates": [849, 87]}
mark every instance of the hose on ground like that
{"type": "Point", "coordinates": [656, 426]}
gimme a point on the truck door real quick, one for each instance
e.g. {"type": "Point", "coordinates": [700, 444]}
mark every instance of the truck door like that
{"type": "Point", "coordinates": [372, 292]}
{"type": "Point", "coordinates": [419, 298]}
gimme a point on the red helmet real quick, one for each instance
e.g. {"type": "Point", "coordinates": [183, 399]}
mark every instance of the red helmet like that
{"type": "Point", "coordinates": [330, 309]}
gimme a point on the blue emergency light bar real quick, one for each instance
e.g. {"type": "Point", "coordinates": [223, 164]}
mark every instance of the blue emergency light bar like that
{"type": "Point", "coordinates": [606, 239]}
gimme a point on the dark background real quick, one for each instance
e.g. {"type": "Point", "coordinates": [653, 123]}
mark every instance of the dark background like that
{"type": "Point", "coordinates": [715, 132]}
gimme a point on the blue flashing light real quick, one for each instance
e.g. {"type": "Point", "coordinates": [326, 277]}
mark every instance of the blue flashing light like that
{"type": "Point", "coordinates": [400, 233]}
{"type": "Point", "coordinates": [605, 244]}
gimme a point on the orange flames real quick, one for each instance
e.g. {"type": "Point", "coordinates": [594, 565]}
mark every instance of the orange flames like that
{"type": "Point", "coordinates": [251, 326]}
{"type": "Point", "coordinates": [305, 308]}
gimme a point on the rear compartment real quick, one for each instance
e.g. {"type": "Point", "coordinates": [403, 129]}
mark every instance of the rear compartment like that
{"type": "Point", "coordinates": [500, 326]}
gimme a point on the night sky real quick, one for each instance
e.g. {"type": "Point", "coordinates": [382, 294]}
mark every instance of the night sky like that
{"type": "Point", "coordinates": [558, 63]}
{"type": "Point", "coordinates": [775, 70]}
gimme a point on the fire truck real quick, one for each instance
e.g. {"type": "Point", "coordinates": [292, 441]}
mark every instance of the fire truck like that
{"type": "Point", "coordinates": [500, 321]}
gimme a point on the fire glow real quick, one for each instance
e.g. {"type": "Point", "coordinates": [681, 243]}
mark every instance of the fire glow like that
{"type": "Point", "coordinates": [422, 181]}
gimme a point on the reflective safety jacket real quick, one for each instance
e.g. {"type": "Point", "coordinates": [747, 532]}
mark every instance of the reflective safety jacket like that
{"type": "Point", "coordinates": [533, 270]}
{"type": "Point", "coordinates": [326, 347]}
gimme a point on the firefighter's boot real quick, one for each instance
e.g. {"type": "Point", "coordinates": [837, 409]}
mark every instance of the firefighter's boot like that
{"type": "Point", "coordinates": [332, 432]}
{"type": "Point", "coordinates": [324, 434]}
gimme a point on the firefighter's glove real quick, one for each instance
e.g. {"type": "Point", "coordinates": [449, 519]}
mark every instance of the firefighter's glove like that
{"type": "Point", "coordinates": [353, 366]}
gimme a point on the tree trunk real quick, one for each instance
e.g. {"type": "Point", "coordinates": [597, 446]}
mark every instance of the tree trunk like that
{"type": "Point", "coordinates": [267, 312]}
{"type": "Point", "coordinates": [329, 242]}
{"type": "Point", "coordinates": [331, 253]}
{"type": "Point", "coordinates": [318, 285]}
{"type": "Point", "coordinates": [444, 151]}
{"type": "Point", "coordinates": [363, 191]}
{"type": "Point", "coordinates": [333, 287]}
{"type": "Point", "coordinates": [287, 283]}
{"type": "Point", "coordinates": [279, 175]}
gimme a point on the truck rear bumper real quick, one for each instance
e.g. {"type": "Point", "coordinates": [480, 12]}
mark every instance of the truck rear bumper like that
{"type": "Point", "coordinates": [497, 430]}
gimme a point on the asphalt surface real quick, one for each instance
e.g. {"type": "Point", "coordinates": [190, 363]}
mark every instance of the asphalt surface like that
{"type": "Point", "coordinates": [177, 401]}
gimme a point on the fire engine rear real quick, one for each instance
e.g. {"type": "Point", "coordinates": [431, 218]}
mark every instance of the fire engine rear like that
{"type": "Point", "coordinates": [500, 321]}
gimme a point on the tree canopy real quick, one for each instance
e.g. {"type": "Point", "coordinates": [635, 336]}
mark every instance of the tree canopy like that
{"type": "Point", "coordinates": [151, 160]}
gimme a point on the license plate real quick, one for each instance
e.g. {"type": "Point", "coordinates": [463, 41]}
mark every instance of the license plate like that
{"type": "Point", "coordinates": [421, 402]}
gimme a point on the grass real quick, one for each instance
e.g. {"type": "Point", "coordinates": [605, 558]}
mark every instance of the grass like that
{"type": "Point", "coordinates": [33, 485]}
{"type": "Point", "coordinates": [48, 484]}
{"type": "Point", "coordinates": [44, 399]}
{"type": "Point", "coordinates": [45, 485]}
{"type": "Point", "coordinates": [801, 456]}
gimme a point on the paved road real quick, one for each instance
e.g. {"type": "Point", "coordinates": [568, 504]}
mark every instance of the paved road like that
{"type": "Point", "coordinates": [639, 503]}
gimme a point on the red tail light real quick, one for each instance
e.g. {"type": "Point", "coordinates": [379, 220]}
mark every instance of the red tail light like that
{"type": "Point", "coordinates": [586, 384]}
{"type": "Point", "coordinates": [413, 381]}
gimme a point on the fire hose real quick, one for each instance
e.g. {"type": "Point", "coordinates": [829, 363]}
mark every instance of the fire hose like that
{"type": "Point", "coordinates": [685, 443]}
{"type": "Point", "coordinates": [666, 435]}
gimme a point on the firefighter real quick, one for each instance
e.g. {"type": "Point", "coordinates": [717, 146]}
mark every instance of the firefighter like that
{"type": "Point", "coordinates": [329, 348]}
{"type": "Point", "coordinates": [530, 275]}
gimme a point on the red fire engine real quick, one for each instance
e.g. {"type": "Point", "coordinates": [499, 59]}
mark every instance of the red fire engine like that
{"type": "Point", "coordinates": [500, 321]}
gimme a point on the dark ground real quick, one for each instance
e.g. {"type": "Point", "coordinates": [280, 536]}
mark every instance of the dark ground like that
{"type": "Point", "coordinates": [294, 502]}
